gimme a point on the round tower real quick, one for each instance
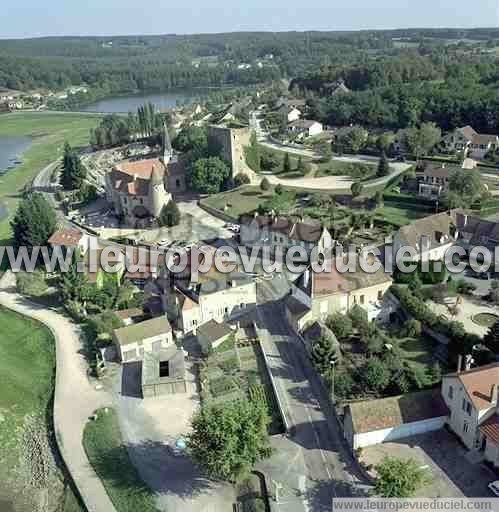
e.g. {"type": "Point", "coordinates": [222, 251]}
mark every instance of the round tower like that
{"type": "Point", "coordinates": [158, 195]}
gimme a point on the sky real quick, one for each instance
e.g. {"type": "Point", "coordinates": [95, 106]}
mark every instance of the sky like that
{"type": "Point", "coordinates": [32, 18]}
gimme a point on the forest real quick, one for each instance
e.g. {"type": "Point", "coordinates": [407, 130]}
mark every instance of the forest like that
{"type": "Point", "coordinates": [130, 63]}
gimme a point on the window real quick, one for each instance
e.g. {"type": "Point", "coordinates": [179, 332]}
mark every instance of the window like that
{"type": "Point", "coordinates": [451, 393]}
{"type": "Point", "coordinates": [465, 426]}
{"type": "Point", "coordinates": [362, 299]}
{"type": "Point", "coordinates": [380, 295]}
{"type": "Point", "coordinates": [466, 406]}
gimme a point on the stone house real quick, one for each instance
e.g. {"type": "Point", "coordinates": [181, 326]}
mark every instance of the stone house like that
{"type": "Point", "coordinates": [270, 231]}
{"type": "Point", "coordinates": [323, 293]}
{"type": "Point", "coordinates": [134, 340]}
{"type": "Point", "coordinates": [434, 180]}
{"type": "Point", "coordinates": [472, 399]}
{"type": "Point", "coordinates": [70, 238]}
{"type": "Point", "coordinates": [220, 299]}
{"type": "Point", "coordinates": [430, 237]}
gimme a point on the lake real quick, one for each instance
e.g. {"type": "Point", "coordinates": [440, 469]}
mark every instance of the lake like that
{"type": "Point", "coordinates": [131, 102]}
{"type": "Point", "coordinates": [10, 149]}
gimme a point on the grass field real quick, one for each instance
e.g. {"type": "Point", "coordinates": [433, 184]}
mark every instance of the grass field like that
{"type": "Point", "coordinates": [238, 201]}
{"type": "Point", "coordinates": [108, 456]}
{"type": "Point", "coordinates": [49, 131]}
{"type": "Point", "coordinates": [359, 171]}
{"type": "Point", "coordinates": [400, 215]}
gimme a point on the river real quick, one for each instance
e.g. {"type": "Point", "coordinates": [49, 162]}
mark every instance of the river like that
{"type": "Point", "coordinates": [130, 103]}
{"type": "Point", "coordinates": [11, 148]}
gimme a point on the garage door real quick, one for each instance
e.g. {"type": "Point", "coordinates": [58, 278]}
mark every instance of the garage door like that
{"type": "Point", "coordinates": [405, 430]}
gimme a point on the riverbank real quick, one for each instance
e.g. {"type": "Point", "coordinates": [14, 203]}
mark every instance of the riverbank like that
{"type": "Point", "coordinates": [49, 131]}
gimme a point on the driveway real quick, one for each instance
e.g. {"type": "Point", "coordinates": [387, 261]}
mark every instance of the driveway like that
{"type": "Point", "coordinates": [453, 471]}
{"type": "Point", "coordinates": [148, 427]}
{"type": "Point", "coordinates": [75, 397]}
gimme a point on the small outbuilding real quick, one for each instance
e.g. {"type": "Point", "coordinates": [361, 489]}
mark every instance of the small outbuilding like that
{"type": "Point", "coordinates": [163, 373]}
{"type": "Point", "coordinates": [373, 422]}
{"type": "Point", "coordinates": [212, 334]}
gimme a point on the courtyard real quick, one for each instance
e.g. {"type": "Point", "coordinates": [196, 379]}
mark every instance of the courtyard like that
{"type": "Point", "coordinates": [453, 471]}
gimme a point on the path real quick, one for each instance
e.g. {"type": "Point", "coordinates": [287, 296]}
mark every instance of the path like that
{"type": "Point", "coordinates": [75, 398]}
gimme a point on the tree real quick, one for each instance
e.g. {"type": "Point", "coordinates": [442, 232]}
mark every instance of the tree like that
{"type": "Point", "coordinates": [228, 440]}
{"type": "Point", "coordinates": [169, 215]}
{"type": "Point", "coordinates": [398, 478]}
{"type": "Point", "coordinates": [465, 188]}
{"type": "Point", "coordinates": [376, 374]}
{"type": "Point", "coordinates": [491, 339]}
{"type": "Point", "coordinates": [241, 179]}
{"type": "Point", "coordinates": [279, 189]}
{"type": "Point", "coordinates": [421, 141]}
{"type": "Point", "coordinates": [286, 164]}
{"type": "Point", "coordinates": [413, 328]}
{"type": "Point", "coordinates": [208, 175]}
{"type": "Point", "coordinates": [353, 140]}
{"type": "Point", "coordinates": [191, 138]}
{"type": "Point", "coordinates": [264, 185]}
{"type": "Point", "coordinates": [74, 284]}
{"type": "Point", "coordinates": [31, 283]}
{"type": "Point", "coordinates": [384, 141]}
{"type": "Point", "coordinates": [341, 325]}
{"type": "Point", "coordinates": [323, 352]}
{"type": "Point", "coordinates": [73, 171]}
{"type": "Point", "coordinates": [300, 166]}
{"type": "Point", "coordinates": [252, 153]}
{"type": "Point", "coordinates": [383, 166]}
{"type": "Point", "coordinates": [268, 161]}
{"type": "Point", "coordinates": [326, 152]}
{"type": "Point", "coordinates": [356, 189]}
{"type": "Point", "coordinates": [34, 222]}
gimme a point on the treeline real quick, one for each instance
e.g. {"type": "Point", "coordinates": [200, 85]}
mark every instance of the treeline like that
{"type": "Point", "coordinates": [114, 130]}
{"type": "Point", "coordinates": [464, 95]}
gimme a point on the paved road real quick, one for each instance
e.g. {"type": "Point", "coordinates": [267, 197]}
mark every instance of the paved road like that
{"type": "Point", "coordinates": [75, 398]}
{"type": "Point", "coordinates": [322, 465]}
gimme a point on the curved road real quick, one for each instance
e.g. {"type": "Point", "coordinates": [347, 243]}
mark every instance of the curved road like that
{"type": "Point", "coordinates": [75, 399]}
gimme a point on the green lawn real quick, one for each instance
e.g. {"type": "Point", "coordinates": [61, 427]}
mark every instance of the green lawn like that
{"type": "Point", "coordinates": [27, 361]}
{"type": "Point", "coordinates": [293, 159]}
{"type": "Point", "coordinates": [400, 215]}
{"type": "Point", "coordinates": [49, 132]}
{"type": "Point", "coordinates": [359, 171]}
{"type": "Point", "coordinates": [417, 351]}
{"type": "Point", "coordinates": [238, 201]}
{"type": "Point", "coordinates": [108, 456]}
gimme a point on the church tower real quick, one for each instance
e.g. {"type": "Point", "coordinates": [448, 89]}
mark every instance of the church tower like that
{"type": "Point", "coordinates": [167, 150]}
{"type": "Point", "coordinates": [158, 196]}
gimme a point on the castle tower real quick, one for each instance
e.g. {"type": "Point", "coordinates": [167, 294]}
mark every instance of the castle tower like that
{"type": "Point", "coordinates": [167, 150]}
{"type": "Point", "coordinates": [158, 196]}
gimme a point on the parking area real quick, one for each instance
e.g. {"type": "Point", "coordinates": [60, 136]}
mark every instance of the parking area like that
{"type": "Point", "coordinates": [454, 471]}
{"type": "Point", "coordinates": [150, 427]}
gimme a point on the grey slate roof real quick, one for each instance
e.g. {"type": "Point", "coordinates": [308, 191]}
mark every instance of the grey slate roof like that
{"type": "Point", "coordinates": [213, 331]}
{"type": "Point", "coordinates": [138, 332]}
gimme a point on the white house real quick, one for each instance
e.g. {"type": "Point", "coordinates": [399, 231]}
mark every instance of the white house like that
{"type": "Point", "coordinates": [430, 237]}
{"type": "Point", "coordinates": [216, 299]}
{"type": "Point", "coordinates": [133, 341]}
{"type": "Point", "coordinates": [471, 397]}
{"type": "Point", "coordinates": [373, 422]}
{"type": "Point", "coordinates": [293, 114]}
{"type": "Point", "coordinates": [469, 141]}
{"type": "Point", "coordinates": [305, 128]}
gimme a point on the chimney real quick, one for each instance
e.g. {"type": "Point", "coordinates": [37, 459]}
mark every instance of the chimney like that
{"type": "Point", "coordinates": [135, 177]}
{"type": "Point", "coordinates": [459, 362]}
{"type": "Point", "coordinates": [493, 393]}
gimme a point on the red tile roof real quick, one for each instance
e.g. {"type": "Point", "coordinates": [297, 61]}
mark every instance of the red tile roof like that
{"type": "Point", "coordinates": [133, 177]}
{"type": "Point", "coordinates": [68, 237]}
{"type": "Point", "coordinates": [490, 428]}
{"type": "Point", "coordinates": [478, 383]}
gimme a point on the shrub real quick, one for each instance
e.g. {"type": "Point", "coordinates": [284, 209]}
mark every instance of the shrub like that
{"type": "Point", "coordinates": [241, 179]}
{"type": "Point", "coordinates": [265, 184]}
{"type": "Point", "coordinates": [31, 283]}
{"type": "Point", "coordinates": [341, 325]}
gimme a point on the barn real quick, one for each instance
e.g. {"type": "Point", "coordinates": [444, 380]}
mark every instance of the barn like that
{"type": "Point", "coordinates": [376, 421]}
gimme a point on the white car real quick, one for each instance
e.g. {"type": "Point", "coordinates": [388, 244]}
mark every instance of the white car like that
{"type": "Point", "coordinates": [494, 487]}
